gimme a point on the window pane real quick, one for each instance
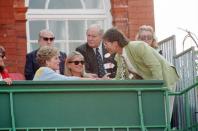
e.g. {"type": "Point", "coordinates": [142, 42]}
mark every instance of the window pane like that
{"type": "Point", "coordinates": [37, 4]}
{"type": "Point", "coordinates": [93, 4]}
{"type": "Point", "coordinates": [73, 45]}
{"type": "Point", "coordinates": [60, 46]}
{"type": "Point", "coordinates": [35, 27]}
{"type": "Point", "coordinates": [59, 29]}
{"type": "Point", "coordinates": [33, 46]}
{"type": "Point", "coordinates": [76, 30]}
{"type": "Point", "coordinates": [65, 4]}
{"type": "Point", "coordinates": [100, 22]}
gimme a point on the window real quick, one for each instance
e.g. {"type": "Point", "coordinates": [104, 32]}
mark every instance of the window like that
{"type": "Point", "coordinates": [68, 19]}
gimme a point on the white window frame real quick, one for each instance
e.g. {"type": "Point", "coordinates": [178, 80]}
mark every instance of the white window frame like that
{"type": "Point", "coordinates": [68, 14]}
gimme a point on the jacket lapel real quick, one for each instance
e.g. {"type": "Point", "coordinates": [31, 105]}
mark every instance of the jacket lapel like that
{"type": "Point", "coordinates": [131, 57]}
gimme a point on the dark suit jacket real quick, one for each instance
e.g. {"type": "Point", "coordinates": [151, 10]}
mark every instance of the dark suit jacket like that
{"type": "Point", "coordinates": [32, 65]}
{"type": "Point", "coordinates": [90, 59]}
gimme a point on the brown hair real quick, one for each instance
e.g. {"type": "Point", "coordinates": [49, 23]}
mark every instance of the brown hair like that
{"type": "Point", "coordinates": [113, 34]}
{"type": "Point", "coordinates": [45, 53]}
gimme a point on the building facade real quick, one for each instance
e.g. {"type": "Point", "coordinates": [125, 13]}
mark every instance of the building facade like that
{"type": "Point", "coordinates": [20, 21]}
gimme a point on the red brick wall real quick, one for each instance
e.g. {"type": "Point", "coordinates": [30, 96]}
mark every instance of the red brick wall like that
{"type": "Point", "coordinates": [128, 15]}
{"type": "Point", "coordinates": [13, 33]}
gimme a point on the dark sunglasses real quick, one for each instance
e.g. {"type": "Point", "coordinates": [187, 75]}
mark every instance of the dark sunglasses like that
{"type": "Point", "coordinates": [146, 38]}
{"type": "Point", "coordinates": [77, 62]}
{"type": "Point", "coordinates": [46, 38]}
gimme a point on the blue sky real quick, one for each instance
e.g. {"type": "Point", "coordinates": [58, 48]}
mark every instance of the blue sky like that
{"type": "Point", "coordinates": [173, 14]}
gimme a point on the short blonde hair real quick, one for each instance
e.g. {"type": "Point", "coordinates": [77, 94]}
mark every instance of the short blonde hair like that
{"type": "Point", "coordinates": [149, 29]}
{"type": "Point", "coordinates": [70, 57]}
{"type": "Point", "coordinates": [45, 53]}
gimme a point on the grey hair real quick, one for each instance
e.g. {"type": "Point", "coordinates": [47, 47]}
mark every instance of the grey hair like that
{"type": "Point", "coordinates": [98, 27]}
{"type": "Point", "coordinates": [43, 31]}
{"type": "Point", "coordinates": [45, 53]}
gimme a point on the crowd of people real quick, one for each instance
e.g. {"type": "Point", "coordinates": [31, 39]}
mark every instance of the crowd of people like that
{"type": "Point", "coordinates": [106, 55]}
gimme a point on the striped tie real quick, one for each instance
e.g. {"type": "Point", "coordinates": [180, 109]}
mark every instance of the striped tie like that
{"type": "Point", "coordinates": [101, 70]}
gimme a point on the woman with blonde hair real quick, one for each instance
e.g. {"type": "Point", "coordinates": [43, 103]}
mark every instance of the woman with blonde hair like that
{"type": "Point", "coordinates": [147, 34]}
{"type": "Point", "coordinates": [74, 66]}
{"type": "Point", "coordinates": [48, 59]}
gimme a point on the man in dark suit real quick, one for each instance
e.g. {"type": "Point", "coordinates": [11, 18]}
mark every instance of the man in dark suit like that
{"type": "Point", "coordinates": [89, 51]}
{"type": "Point", "coordinates": [46, 38]}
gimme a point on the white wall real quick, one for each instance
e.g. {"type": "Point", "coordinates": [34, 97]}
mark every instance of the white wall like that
{"type": "Point", "coordinates": [171, 14]}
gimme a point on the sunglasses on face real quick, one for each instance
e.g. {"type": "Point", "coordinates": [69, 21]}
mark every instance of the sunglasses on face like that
{"type": "Point", "coordinates": [77, 62]}
{"type": "Point", "coordinates": [146, 38]}
{"type": "Point", "coordinates": [46, 38]}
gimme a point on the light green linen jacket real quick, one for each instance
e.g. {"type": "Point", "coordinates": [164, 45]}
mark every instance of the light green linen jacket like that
{"type": "Point", "coordinates": [148, 63]}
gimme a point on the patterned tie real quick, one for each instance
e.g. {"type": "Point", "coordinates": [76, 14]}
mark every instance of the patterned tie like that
{"type": "Point", "coordinates": [101, 70]}
{"type": "Point", "coordinates": [124, 74]}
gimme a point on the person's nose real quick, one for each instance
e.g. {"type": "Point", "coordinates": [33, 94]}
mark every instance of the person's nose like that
{"type": "Point", "coordinates": [89, 38]}
{"type": "Point", "coordinates": [49, 41]}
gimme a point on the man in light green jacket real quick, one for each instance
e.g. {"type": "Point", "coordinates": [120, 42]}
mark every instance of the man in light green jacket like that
{"type": "Point", "coordinates": [139, 59]}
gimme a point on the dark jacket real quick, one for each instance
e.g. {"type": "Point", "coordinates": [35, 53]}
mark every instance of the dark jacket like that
{"type": "Point", "coordinates": [32, 65]}
{"type": "Point", "coordinates": [90, 60]}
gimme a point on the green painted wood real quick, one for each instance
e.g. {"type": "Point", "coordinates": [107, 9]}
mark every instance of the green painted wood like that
{"type": "Point", "coordinates": [83, 105]}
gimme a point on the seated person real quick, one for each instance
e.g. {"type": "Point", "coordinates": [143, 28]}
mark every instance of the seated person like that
{"type": "Point", "coordinates": [48, 58]}
{"type": "Point", "coordinates": [97, 60]}
{"type": "Point", "coordinates": [46, 38]}
{"type": "Point", "coordinates": [74, 65]}
{"type": "Point", "coordinates": [3, 71]}
{"type": "Point", "coordinates": [147, 34]}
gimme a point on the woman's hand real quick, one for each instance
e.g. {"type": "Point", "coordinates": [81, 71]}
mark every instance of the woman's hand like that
{"type": "Point", "coordinates": [8, 81]}
{"type": "Point", "coordinates": [90, 75]}
{"type": "Point", "coordinates": [105, 77]}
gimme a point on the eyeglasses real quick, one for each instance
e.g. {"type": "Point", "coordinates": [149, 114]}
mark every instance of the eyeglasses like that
{"type": "Point", "coordinates": [46, 38]}
{"type": "Point", "coordinates": [145, 38]}
{"type": "Point", "coordinates": [77, 62]}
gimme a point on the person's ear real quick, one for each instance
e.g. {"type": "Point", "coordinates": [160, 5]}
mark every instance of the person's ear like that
{"type": "Point", "coordinates": [47, 63]}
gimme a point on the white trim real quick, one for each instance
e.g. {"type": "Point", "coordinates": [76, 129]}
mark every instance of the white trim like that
{"type": "Point", "coordinates": [64, 11]}
{"type": "Point", "coordinates": [47, 4]}
{"type": "Point", "coordinates": [67, 37]}
{"type": "Point", "coordinates": [63, 17]}
{"type": "Point", "coordinates": [107, 9]}
{"type": "Point", "coordinates": [26, 3]}
{"type": "Point", "coordinates": [83, 4]}
{"type": "Point", "coordinates": [28, 36]}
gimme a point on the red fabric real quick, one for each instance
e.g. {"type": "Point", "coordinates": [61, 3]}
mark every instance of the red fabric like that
{"type": "Point", "coordinates": [16, 76]}
{"type": "Point", "coordinates": [5, 74]}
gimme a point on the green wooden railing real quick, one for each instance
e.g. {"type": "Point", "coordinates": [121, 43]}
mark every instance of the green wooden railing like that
{"type": "Point", "coordinates": [86, 106]}
{"type": "Point", "coordinates": [189, 125]}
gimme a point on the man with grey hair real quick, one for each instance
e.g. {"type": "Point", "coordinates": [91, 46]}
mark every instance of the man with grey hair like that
{"type": "Point", "coordinates": [97, 59]}
{"type": "Point", "coordinates": [46, 38]}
